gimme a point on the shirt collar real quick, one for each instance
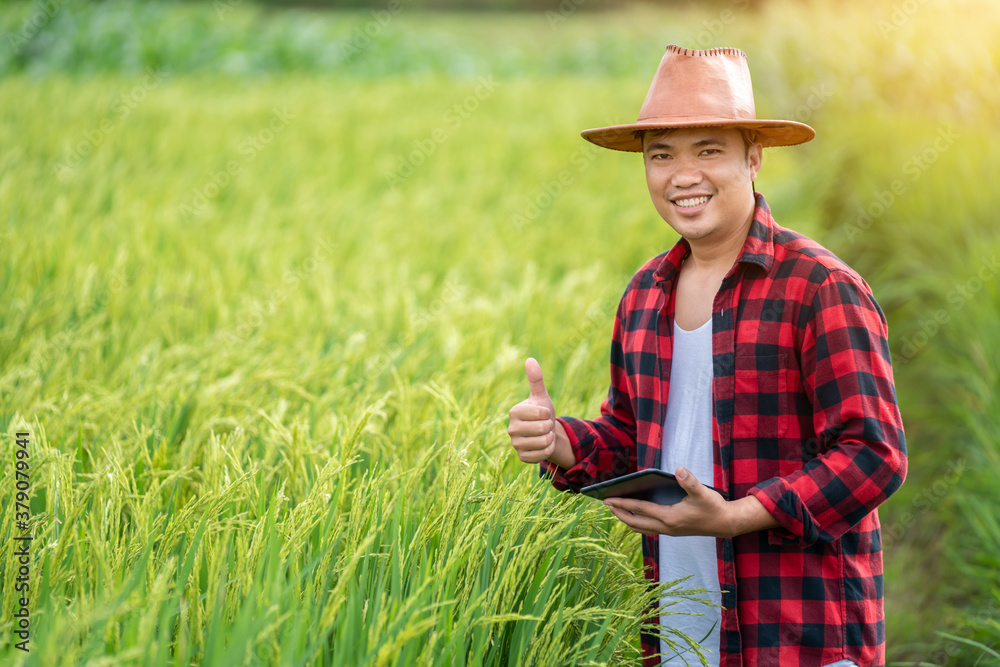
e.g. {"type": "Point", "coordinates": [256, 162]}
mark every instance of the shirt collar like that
{"type": "Point", "coordinates": [758, 248]}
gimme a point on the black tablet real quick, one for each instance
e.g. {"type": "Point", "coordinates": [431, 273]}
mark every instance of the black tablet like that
{"type": "Point", "coordinates": [653, 485]}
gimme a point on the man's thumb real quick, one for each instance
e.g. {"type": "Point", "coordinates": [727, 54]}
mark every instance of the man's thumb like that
{"type": "Point", "coordinates": [688, 481]}
{"type": "Point", "coordinates": [534, 372]}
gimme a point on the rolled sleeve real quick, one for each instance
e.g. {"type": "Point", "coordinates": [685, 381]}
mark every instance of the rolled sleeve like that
{"type": "Point", "coordinates": [847, 374]}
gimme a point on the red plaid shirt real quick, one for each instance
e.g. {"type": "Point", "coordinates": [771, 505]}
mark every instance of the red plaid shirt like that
{"type": "Point", "coordinates": [805, 418]}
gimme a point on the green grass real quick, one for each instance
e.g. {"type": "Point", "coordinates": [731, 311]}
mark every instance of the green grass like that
{"type": "Point", "coordinates": [283, 432]}
{"type": "Point", "coordinates": [269, 427]}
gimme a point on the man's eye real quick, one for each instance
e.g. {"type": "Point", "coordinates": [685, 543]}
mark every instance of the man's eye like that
{"type": "Point", "coordinates": [657, 156]}
{"type": "Point", "coordinates": [709, 151]}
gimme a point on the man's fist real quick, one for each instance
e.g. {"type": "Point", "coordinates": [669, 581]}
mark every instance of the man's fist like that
{"type": "Point", "coordinates": [534, 431]}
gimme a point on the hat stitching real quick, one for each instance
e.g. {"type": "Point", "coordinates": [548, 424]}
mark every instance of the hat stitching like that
{"type": "Point", "coordinates": [706, 52]}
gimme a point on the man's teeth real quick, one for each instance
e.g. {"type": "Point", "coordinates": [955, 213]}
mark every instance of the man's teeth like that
{"type": "Point", "coordinates": [689, 203]}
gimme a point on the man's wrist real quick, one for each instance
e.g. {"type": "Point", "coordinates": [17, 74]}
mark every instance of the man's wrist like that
{"type": "Point", "coordinates": [562, 454]}
{"type": "Point", "coordinates": [748, 515]}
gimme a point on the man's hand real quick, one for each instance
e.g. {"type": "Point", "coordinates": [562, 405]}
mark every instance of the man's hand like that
{"type": "Point", "coordinates": [534, 431]}
{"type": "Point", "coordinates": [703, 512]}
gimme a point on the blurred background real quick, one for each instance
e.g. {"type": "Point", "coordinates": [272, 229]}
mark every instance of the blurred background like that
{"type": "Point", "coordinates": [245, 241]}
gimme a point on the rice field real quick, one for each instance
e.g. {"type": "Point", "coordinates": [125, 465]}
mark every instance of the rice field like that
{"type": "Point", "coordinates": [266, 301]}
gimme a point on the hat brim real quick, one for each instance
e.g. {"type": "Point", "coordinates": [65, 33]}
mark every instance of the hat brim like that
{"type": "Point", "coordinates": [769, 132]}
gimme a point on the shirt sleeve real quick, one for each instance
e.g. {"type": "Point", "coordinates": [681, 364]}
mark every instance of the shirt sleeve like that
{"type": "Point", "coordinates": [847, 375]}
{"type": "Point", "coordinates": [605, 447]}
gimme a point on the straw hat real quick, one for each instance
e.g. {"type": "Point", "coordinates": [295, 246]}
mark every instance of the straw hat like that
{"type": "Point", "coordinates": [709, 88]}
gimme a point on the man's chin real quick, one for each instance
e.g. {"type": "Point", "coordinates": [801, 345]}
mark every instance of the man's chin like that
{"type": "Point", "coordinates": [692, 230]}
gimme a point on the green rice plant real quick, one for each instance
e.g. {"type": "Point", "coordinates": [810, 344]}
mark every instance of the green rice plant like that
{"type": "Point", "coordinates": [364, 570]}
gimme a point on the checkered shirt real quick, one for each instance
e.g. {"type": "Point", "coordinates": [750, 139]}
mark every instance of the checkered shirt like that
{"type": "Point", "coordinates": [805, 419]}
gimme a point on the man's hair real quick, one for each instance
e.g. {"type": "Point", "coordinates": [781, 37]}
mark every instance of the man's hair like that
{"type": "Point", "coordinates": [749, 136]}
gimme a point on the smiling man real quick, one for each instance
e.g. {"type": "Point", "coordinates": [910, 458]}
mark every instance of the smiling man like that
{"type": "Point", "coordinates": [748, 358]}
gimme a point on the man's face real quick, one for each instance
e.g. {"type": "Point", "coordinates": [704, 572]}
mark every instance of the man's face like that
{"type": "Point", "coordinates": [700, 179]}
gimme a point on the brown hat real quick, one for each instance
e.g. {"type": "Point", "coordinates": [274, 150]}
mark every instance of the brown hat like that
{"type": "Point", "coordinates": [708, 88]}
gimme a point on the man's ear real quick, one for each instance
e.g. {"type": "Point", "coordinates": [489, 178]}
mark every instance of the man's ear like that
{"type": "Point", "coordinates": [755, 158]}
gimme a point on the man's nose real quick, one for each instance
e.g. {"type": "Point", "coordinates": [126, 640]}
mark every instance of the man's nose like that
{"type": "Point", "coordinates": [686, 174]}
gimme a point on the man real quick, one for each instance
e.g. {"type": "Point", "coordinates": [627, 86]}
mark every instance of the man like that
{"type": "Point", "coordinates": [748, 358]}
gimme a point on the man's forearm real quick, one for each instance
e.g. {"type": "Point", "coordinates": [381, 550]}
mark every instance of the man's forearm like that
{"type": "Point", "coordinates": [749, 515]}
{"type": "Point", "coordinates": [563, 455]}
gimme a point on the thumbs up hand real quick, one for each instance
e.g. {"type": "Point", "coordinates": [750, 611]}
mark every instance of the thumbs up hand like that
{"type": "Point", "coordinates": [534, 432]}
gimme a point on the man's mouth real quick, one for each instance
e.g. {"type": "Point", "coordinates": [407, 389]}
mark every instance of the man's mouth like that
{"type": "Point", "coordinates": [691, 202]}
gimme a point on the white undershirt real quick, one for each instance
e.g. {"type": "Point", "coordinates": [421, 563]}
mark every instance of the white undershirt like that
{"type": "Point", "coordinates": [687, 441]}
